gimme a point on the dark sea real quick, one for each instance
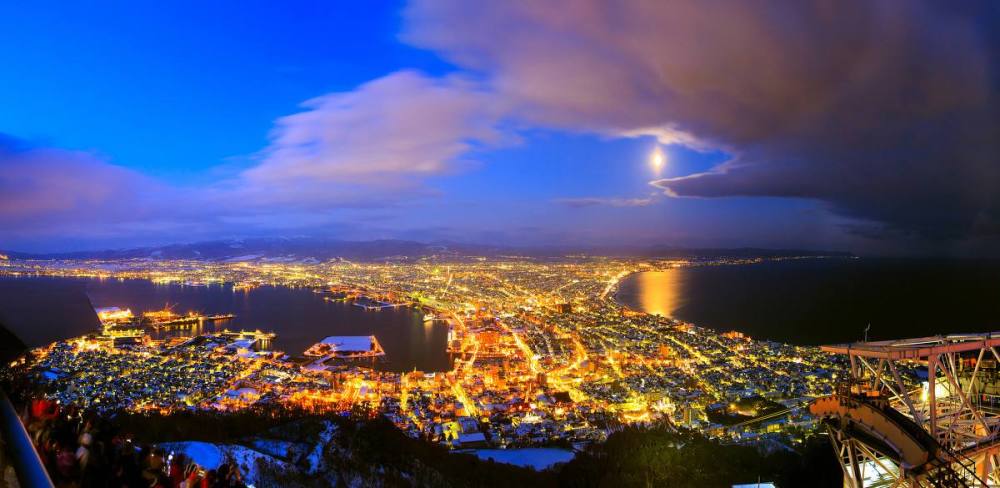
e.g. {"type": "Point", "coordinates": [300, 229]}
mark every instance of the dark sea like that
{"type": "Point", "coordinates": [298, 316]}
{"type": "Point", "coordinates": [820, 301]}
{"type": "Point", "coordinates": [808, 301]}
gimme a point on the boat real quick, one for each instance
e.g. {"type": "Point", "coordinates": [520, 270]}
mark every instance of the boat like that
{"type": "Point", "coordinates": [168, 318]}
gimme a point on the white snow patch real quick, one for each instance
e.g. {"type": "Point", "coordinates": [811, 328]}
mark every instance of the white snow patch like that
{"type": "Point", "coordinates": [316, 456]}
{"type": "Point", "coordinates": [205, 454]}
{"type": "Point", "coordinates": [210, 456]}
{"type": "Point", "coordinates": [246, 460]}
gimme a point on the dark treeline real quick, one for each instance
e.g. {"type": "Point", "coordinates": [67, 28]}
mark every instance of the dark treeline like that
{"type": "Point", "coordinates": [366, 447]}
{"type": "Point", "coordinates": [639, 457]}
{"type": "Point", "coordinates": [660, 456]}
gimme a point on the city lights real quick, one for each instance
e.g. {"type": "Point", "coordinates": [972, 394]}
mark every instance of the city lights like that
{"type": "Point", "coordinates": [542, 351]}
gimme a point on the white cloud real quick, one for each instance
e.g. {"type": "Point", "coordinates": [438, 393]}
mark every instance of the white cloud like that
{"type": "Point", "coordinates": [602, 201]}
{"type": "Point", "coordinates": [371, 147]}
{"type": "Point", "coordinates": [383, 139]}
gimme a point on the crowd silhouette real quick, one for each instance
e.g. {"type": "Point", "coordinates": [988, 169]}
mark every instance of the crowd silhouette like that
{"type": "Point", "coordinates": [84, 450]}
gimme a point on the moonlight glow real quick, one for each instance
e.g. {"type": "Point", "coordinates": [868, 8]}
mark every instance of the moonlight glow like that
{"type": "Point", "coordinates": [657, 159]}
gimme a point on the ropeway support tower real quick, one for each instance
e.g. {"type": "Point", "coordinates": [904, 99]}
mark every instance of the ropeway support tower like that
{"type": "Point", "coordinates": [893, 425]}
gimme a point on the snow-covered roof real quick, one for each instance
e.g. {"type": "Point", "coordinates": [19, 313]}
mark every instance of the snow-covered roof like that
{"type": "Point", "coordinates": [471, 437]}
{"type": "Point", "coordinates": [242, 343]}
{"type": "Point", "coordinates": [242, 392]}
{"type": "Point", "coordinates": [349, 343]}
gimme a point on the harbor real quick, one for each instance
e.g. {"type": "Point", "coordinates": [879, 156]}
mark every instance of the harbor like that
{"type": "Point", "coordinates": [189, 320]}
{"type": "Point", "coordinates": [360, 298]}
{"type": "Point", "coordinates": [373, 304]}
{"type": "Point", "coordinates": [123, 318]}
{"type": "Point", "coordinates": [299, 316]}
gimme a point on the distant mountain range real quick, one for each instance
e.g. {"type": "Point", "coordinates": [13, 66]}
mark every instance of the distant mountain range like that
{"type": "Point", "coordinates": [320, 249]}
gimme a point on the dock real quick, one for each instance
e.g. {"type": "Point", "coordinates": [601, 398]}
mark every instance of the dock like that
{"type": "Point", "coordinates": [189, 320]}
{"type": "Point", "coordinates": [346, 347]}
{"type": "Point", "coordinates": [370, 304]}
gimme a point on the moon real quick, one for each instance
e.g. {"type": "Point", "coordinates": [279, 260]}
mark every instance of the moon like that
{"type": "Point", "coordinates": [658, 159]}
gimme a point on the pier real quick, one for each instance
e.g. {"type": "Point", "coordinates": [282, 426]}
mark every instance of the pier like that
{"type": "Point", "coordinates": [189, 320]}
{"type": "Point", "coordinates": [371, 304]}
{"type": "Point", "coordinates": [259, 337]}
{"type": "Point", "coordinates": [346, 347]}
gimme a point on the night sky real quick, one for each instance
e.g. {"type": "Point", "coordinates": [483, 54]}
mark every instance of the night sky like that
{"type": "Point", "coordinates": [871, 127]}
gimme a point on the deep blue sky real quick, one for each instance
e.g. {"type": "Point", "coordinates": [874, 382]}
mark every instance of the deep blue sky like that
{"type": "Point", "coordinates": [133, 123]}
{"type": "Point", "coordinates": [178, 87]}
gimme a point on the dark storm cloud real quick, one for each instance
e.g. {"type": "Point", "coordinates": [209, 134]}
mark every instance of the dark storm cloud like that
{"type": "Point", "coordinates": [885, 110]}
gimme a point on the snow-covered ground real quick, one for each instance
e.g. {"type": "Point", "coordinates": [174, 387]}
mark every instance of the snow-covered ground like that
{"type": "Point", "coordinates": [205, 454]}
{"type": "Point", "coordinates": [210, 456]}
{"type": "Point", "coordinates": [279, 453]}
{"type": "Point", "coordinates": [534, 457]}
{"type": "Point", "coordinates": [316, 456]}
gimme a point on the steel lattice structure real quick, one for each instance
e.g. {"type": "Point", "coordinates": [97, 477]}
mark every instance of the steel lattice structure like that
{"type": "Point", "coordinates": [888, 428]}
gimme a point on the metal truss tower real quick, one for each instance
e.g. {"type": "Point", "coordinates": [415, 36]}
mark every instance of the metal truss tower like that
{"type": "Point", "coordinates": [891, 427]}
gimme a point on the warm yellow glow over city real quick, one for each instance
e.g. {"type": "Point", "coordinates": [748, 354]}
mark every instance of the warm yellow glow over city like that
{"type": "Point", "coordinates": [533, 344]}
{"type": "Point", "coordinates": [661, 292]}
